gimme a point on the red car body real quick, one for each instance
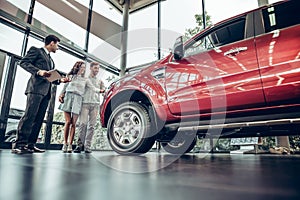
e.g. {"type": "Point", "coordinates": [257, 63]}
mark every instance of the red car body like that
{"type": "Point", "coordinates": [242, 70]}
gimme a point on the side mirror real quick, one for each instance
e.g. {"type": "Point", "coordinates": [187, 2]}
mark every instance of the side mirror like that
{"type": "Point", "coordinates": [178, 48]}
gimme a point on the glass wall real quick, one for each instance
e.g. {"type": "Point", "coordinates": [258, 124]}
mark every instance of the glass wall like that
{"type": "Point", "coordinates": [98, 46]}
{"type": "Point", "coordinates": [11, 39]}
{"type": "Point", "coordinates": [104, 51]}
{"type": "Point", "coordinates": [220, 10]}
{"type": "Point", "coordinates": [142, 36]}
{"type": "Point", "coordinates": [18, 100]}
{"type": "Point", "coordinates": [3, 69]}
{"type": "Point", "coordinates": [62, 25]}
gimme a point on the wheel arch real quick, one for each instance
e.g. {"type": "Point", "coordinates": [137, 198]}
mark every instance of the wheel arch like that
{"type": "Point", "coordinates": [135, 96]}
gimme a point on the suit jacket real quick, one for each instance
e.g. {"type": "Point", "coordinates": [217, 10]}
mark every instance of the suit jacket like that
{"type": "Point", "coordinates": [37, 59]}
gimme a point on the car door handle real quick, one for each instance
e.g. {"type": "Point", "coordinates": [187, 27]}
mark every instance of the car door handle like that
{"type": "Point", "coordinates": [235, 51]}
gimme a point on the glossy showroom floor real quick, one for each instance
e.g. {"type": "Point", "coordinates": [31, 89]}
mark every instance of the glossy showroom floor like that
{"type": "Point", "coordinates": [108, 176]}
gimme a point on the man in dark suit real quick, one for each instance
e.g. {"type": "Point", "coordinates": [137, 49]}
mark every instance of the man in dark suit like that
{"type": "Point", "coordinates": [38, 62]}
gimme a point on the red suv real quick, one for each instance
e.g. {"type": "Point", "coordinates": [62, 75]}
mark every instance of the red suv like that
{"type": "Point", "coordinates": [238, 78]}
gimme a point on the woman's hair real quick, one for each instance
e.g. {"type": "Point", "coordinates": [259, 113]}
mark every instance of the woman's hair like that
{"type": "Point", "coordinates": [76, 68]}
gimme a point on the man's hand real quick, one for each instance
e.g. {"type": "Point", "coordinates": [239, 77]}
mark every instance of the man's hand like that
{"type": "Point", "coordinates": [65, 80]}
{"type": "Point", "coordinates": [102, 91]}
{"type": "Point", "coordinates": [43, 73]}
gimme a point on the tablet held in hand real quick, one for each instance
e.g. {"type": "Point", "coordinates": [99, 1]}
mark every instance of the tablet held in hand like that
{"type": "Point", "coordinates": [55, 75]}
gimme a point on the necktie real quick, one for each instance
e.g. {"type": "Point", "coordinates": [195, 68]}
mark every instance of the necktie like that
{"type": "Point", "coordinates": [52, 66]}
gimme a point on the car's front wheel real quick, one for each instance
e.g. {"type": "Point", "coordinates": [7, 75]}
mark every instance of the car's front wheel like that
{"type": "Point", "coordinates": [129, 129]}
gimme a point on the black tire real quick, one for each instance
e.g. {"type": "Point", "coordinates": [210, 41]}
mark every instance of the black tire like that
{"type": "Point", "coordinates": [129, 129]}
{"type": "Point", "coordinates": [179, 147]}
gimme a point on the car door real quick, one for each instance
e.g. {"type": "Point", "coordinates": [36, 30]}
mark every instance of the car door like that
{"type": "Point", "coordinates": [278, 50]}
{"type": "Point", "coordinates": [218, 73]}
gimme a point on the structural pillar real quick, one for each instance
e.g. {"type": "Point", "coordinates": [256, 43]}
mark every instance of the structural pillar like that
{"type": "Point", "coordinates": [262, 2]}
{"type": "Point", "coordinates": [124, 37]}
{"type": "Point", "coordinates": [158, 31]}
{"type": "Point", "coordinates": [203, 14]}
{"type": "Point", "coordinates": [29, 21]}
{"type": "Point", "coordinates": [88, 28]}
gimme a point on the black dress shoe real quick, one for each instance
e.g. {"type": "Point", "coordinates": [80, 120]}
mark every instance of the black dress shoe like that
{"type": "Point", "coordinates": [21, 150]}
{"type": "Point", "coordinates": [36, 150]}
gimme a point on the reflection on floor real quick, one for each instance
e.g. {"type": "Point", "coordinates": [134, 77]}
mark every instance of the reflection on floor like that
{"type": "Point", "coordinates": [108, 176]}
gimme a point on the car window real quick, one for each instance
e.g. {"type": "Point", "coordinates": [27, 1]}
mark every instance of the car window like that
{"type": "Point", "coordinates": [221, 36]}
{"type": "Point", "coordinates": [198, 46]}
{"type": "Point", "coordinates": [228, 34]}
{"type": "Point", "coordinates": [281, 15]}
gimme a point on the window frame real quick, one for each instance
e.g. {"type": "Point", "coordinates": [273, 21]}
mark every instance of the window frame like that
{"type": "Point", "coordinates": [207, 33]}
